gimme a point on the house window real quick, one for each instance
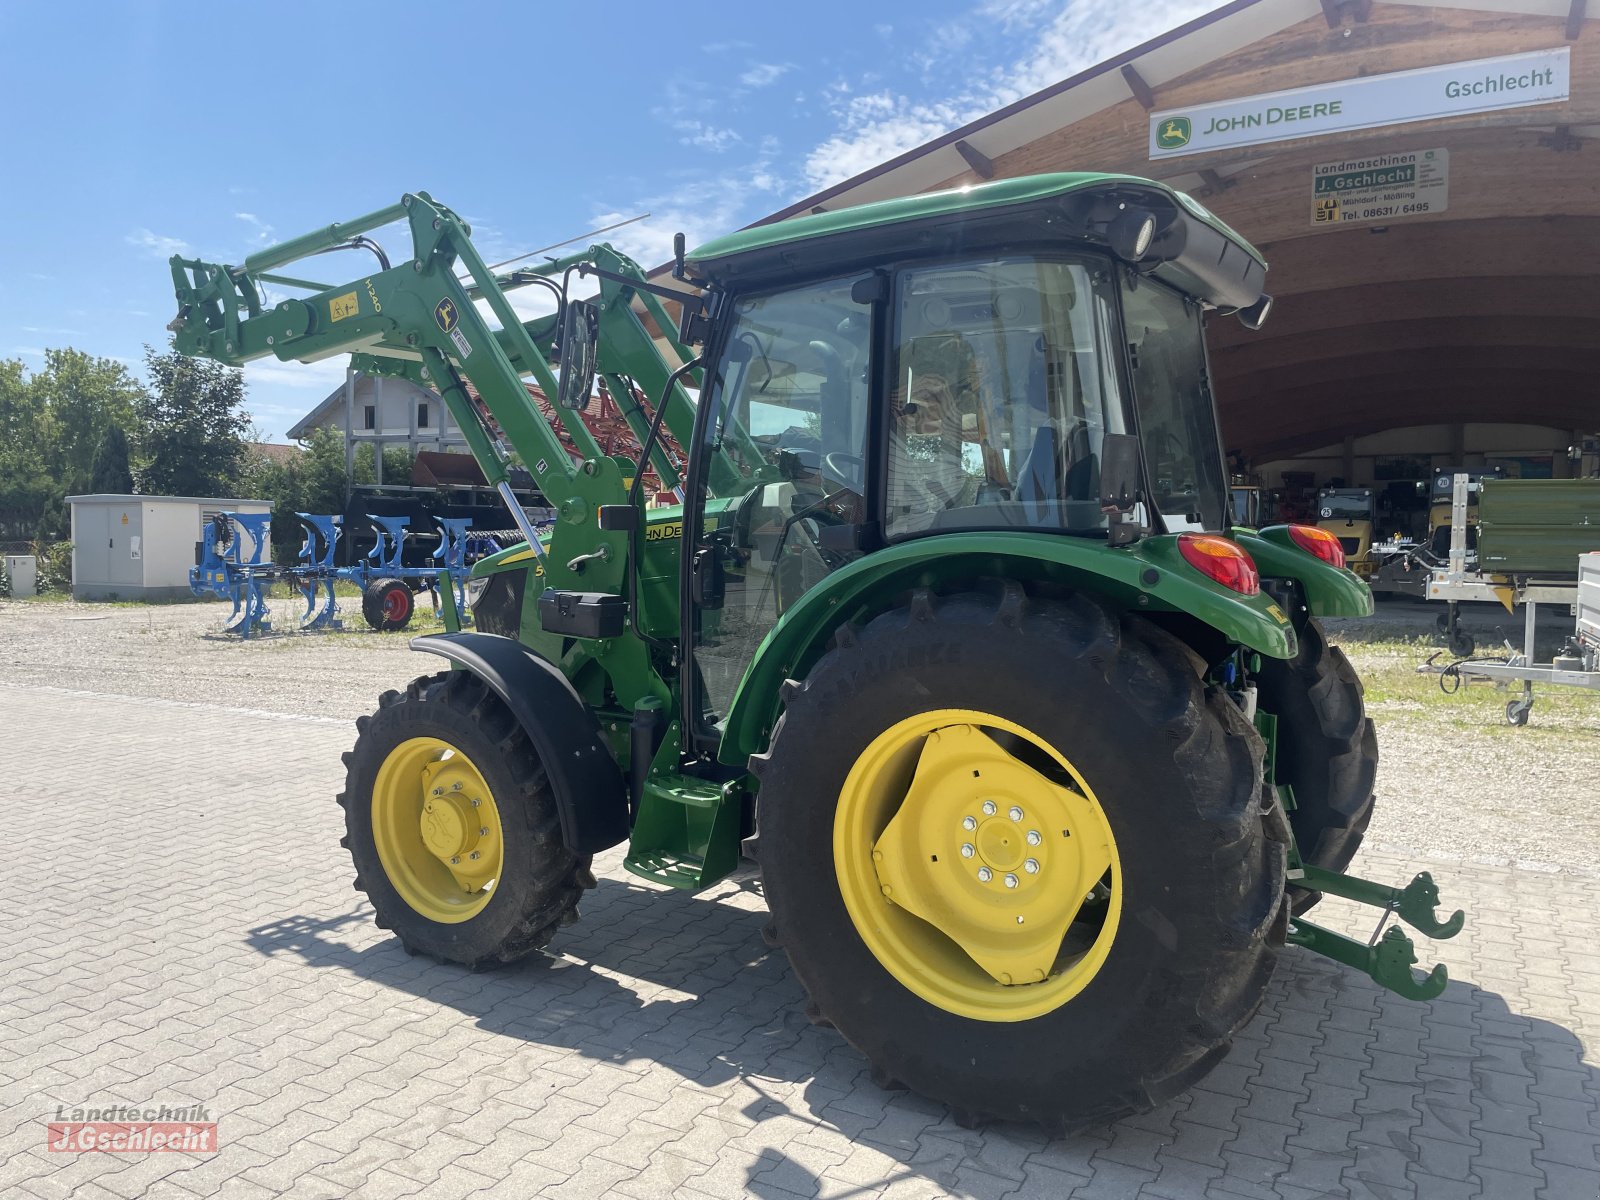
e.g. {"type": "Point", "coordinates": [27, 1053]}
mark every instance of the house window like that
{"type": "Point", "coordinates": [370, 420]}
{"type": "Point", "coordinates": [422, 416]}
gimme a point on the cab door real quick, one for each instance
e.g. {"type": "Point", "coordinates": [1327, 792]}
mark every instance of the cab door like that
{"type": "Point", "coordinates": [789, 406]}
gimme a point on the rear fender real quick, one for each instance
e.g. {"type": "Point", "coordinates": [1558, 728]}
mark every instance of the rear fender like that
{"type": "Point", "coordinates": [590, 795]}
{"type": "Point", "coordinates": [1330, 591]}
{"type": "Point", "coordinates": [1149, 576]}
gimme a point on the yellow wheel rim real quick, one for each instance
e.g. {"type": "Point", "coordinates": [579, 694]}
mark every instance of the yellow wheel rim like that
{"type": "Point", "coordinates": [437, 830]}
{"type": "Point", "coordinates": [977, 865]}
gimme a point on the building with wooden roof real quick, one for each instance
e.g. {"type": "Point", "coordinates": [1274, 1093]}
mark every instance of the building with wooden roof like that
{"type": "Point", "coordinates": [1424, 179]}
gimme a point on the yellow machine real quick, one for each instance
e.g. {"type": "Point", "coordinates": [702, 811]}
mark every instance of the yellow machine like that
{"type": "Point", "coordinates": [1351, 515]}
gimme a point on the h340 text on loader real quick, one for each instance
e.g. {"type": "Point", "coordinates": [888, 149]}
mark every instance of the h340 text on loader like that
{"type": "Point", "coordinates": [1042, 758]}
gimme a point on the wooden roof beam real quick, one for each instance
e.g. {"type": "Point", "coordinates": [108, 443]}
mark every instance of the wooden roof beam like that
{"type": "Point", "coordinates": [980, 162]}
{"type": "Point", "coordinates": [1143, 92]}
{"type": "Point", "coordinates": [1333, 11]}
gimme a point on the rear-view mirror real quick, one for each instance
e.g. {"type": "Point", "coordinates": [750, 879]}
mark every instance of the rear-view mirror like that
{"type": "Point", "coordinates": [1119, 472]}
{"type": "Point", "coordinates": [580, 335]}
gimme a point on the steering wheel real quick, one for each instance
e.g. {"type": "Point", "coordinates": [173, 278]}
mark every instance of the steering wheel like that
{"type": "Point", "coordinates": [846, 468]}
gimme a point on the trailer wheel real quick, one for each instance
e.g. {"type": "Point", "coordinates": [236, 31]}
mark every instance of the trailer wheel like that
{"type": "Point", "coordinates": [452, 826]}
{"type": "Point", "coordinates": [1327, 751]}
{"type": "Point", "coordinates": [1020, 858]}
{"type": "Point", "coordinates": [387, 604]}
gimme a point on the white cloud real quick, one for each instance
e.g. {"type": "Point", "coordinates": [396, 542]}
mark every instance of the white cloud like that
{"type": "Point", "coordinates": [1060, 40]}
{"type": "Point", "coordinates": [319, 377]}
{"type": "Point", "coordinates": [706, 137]}
{"type": "Point", "coordinates": [876, 127]}
{"type": "Point", "coordinates": [762, 74]}
{"type": "Point", "coordinates": [260, 230]}
{"type": "Point", "coordinates": [157, 245]}
{"type": "Point", "coordinates": [50, 332]}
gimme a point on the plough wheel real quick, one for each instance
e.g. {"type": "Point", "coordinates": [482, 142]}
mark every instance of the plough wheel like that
{"type": "Point", "coordinates": [387, 604]}
{"type": "Point", "coordinates": [1049, 887]}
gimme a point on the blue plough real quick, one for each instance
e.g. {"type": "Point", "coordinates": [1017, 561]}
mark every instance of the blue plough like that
{"type": "Point", "coordinates": [235, 564]}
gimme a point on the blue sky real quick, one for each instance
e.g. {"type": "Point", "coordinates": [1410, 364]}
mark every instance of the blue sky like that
{"type": "Point", "coordinates": [137, 130]}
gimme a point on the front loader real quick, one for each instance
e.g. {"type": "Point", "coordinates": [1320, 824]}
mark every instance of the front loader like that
{"type": "Point", "coordinates": [1041, 757]}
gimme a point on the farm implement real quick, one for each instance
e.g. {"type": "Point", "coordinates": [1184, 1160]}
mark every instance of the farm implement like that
{"type": "Point", "coordinates": [1042, 757]}
{"type": "Point", "coordinates": [235, 565]}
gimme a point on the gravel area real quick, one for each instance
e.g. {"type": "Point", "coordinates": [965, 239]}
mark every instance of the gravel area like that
{"type": "Point", "coordinates": [179, 652]}
{"type": "Point", "coordinates": [1454, 780]}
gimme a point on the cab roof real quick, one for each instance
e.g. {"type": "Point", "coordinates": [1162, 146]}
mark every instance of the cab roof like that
{"type": "Point", "coordinates": [1206, 259]}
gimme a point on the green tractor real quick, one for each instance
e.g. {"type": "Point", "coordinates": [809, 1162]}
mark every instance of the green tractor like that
{"type": "Point", "coordinates": [1041, 758]}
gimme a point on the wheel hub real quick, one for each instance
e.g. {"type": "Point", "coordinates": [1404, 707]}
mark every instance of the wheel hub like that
{"type": "Point", "coordinates": [437, 829]}
{"type": "Point", "coordinates": [446, 827]}
{"type": "Point", "coordinates": [992, 853]}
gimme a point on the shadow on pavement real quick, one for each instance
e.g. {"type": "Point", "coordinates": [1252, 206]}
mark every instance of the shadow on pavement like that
{"type": "Point", "coordinates": [1336, 1087]}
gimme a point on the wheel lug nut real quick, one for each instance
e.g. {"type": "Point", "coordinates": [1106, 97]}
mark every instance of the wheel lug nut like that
{"type": "Point", "coordinates": [988, 808]}
{"type": "Point", "coordinates": [438, 791]}
{"type": "Point", "coordinates": [475, 803]}
{"type": "Point", "coordinates": [1015, 814]}
{"type": "Point", "coordinates": [454, 860]}
{"type": "Point", "coordinates": [1031, 866]}
{"type": "Point", "coordinates": [1034, 837]}
{"type": "Point", "coordinates": [969, 822]}
{"type": "Point", "coordinates": [984, 874]}
{"type": "Point", "coordinates": [967, 850]}
{"type": "Point", "coordinates": [483, 831]}
{"type": "Point", "coordinates": [455, 787]}
{"type": "Point", "coordinates": [1011, 880]}
{"type": "Point", "coordinates": [474, 854]}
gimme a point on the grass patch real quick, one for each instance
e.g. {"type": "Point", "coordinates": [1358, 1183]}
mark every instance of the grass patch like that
{"type": "Point", "coordinates": [1397, 691]}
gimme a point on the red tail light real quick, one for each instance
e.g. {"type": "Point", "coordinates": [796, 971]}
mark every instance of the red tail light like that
{"type": "Point", "coordinates": [1319, 542]}
{"type": "Point", "coordinates": [1221, 560]}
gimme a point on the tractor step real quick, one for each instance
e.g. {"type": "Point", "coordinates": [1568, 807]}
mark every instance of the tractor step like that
{"type": "Point", "coordinates": [687, 831]}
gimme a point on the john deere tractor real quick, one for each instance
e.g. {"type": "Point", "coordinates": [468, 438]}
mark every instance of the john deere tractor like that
{"type": "Point", "coordinates": [1041, 758]}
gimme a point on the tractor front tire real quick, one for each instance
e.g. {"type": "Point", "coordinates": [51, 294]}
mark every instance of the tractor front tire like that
{"type": "Point", "coordinates": [954, 776]}
{"type": "Point", "coordinates": [387, 604]}
{"type": "Point", "coordinates": [452, 826]}
{"type": "Point", "coordinates": [1327, 752]}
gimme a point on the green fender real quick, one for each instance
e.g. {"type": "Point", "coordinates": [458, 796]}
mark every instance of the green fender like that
{"type": "Point", "coordinates": [1330, 591]}
{"type": "Point", "coordinates": [1149, 576]}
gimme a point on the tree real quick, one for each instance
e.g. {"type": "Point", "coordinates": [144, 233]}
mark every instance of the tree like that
{"type": "Point", "coordinates": [26, 485]}
{"type": "Point", "coordinates": [192, 427]}
{"type": "Point", "coordinates": [111, 473]}
{"type": "Point", "coordinates": [82, 396]}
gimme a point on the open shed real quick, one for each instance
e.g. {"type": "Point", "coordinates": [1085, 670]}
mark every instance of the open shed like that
{"type": "Point", "coordinates": [1424, 180]}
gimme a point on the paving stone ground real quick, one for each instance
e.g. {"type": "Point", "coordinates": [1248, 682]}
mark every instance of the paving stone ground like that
{"type": "Point", "coordinates": [177, 926]}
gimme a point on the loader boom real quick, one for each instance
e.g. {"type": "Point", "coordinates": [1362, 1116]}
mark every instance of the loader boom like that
{"type": "Point", "coordinates": [442, 318]}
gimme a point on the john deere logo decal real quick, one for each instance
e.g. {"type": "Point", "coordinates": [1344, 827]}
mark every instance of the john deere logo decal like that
{"type": "Point", "coordinates": [1175, 132]}
{"type": "Point", "coordinates": [444, 312]}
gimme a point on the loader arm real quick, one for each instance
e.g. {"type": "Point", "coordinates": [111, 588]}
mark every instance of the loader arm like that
{"type": "Point", "coordinates": [420, 319]}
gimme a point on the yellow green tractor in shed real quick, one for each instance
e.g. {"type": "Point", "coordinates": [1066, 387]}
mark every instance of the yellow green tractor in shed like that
{"type": "Point", "coordinates": [1042, 758]}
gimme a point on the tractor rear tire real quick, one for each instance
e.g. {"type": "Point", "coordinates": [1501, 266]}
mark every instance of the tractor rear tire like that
{"type": "Point", "coordinates": [387, 604]}
{"type": "Point", "coordinates": [1186, 942]}
{"type": "Point", "coordinates": [401, 750]}
{"type": "Point", "coordinates": [1327, 752]}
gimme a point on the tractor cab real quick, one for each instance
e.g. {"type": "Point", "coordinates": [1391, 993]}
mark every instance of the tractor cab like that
{"type": "Point", "coordinates": [975, 365]}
